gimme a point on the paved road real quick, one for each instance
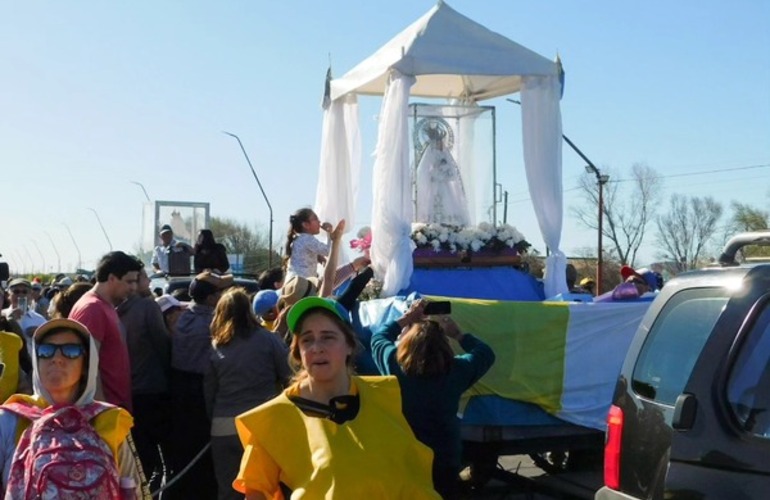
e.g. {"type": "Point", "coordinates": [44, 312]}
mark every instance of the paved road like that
{"type": "Point", "coordinates": [527, 481]}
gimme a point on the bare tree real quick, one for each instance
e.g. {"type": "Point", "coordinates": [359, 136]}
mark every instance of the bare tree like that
{"type": "Point", "coordinates": [687, 228]}
{"type": "Point", "coordinates": [627, 212]}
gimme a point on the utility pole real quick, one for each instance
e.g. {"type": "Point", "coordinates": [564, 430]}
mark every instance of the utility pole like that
{"type": "Point", "coordinates": [601, 180]}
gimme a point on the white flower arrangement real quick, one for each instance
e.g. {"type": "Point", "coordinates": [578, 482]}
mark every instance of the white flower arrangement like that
{"type": "Point", "coordinates": [485, 236]}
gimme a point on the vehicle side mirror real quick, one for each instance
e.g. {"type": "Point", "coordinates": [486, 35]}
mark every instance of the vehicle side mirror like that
{"type": "Point", "coordinates": [5, 273]}
{"type": "Point", "coordinates": [685, 410]}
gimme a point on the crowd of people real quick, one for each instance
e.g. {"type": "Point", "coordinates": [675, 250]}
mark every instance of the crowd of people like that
{"type": "Point", "coordinates": [215, 392]}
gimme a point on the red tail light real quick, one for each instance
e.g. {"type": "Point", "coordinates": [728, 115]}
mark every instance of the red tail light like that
{"type": "Point", "coordinates": [612, 448]}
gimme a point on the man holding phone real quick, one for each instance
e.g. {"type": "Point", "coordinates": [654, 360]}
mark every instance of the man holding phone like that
{"type": "Point", "coordinates": [20, 291]}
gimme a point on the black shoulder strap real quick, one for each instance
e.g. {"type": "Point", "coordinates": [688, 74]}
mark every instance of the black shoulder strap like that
{"type": "Point", "coordinates": [340, 410]}
{"type": "Point", "coordinates": [312, 408]}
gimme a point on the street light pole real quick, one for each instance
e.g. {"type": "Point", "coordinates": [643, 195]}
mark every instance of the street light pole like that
{"type": "Point", "coordinates": [143, 190]}
{"type": "Point", "coordinates": [269, 207]}
{"type": "Point", "coordinates": [601, 180]}
{"type": "Point", "coordinates": [99, 219]}
{"type": "Point", "coordinates": [42, 258]}
{"type": "Point", "coordinates": [56, 250]}
{"type": "Point", "coordinates": [80, 258]}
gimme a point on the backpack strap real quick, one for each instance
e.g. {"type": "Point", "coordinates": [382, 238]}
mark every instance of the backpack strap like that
{"type": "Point", "coordinates": [89, 410]}
{"type": "Point", "coordinates": [29, 412]}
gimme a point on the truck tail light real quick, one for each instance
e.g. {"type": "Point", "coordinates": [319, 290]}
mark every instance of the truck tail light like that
{"type": "Point", "coordinates": [612, 448]}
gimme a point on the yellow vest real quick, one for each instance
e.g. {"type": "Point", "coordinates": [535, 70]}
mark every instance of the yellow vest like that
{"type": "Point", "coordinates": [374, 456]}
{"type": "Point", "coordinates": [10, 345]}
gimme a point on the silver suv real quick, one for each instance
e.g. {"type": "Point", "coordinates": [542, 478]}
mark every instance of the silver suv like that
{"type": "Point", "coordinates": [691, 412]}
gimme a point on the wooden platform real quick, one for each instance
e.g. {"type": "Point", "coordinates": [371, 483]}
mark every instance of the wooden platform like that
{"type": "Point", "coordinates": [427, 258]}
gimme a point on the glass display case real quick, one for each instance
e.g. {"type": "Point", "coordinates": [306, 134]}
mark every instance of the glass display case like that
{"type": "Point", "coordinates": [453, 164]}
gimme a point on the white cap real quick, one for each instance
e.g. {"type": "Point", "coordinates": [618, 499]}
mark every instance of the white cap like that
{"type": "Point", "coordinates": [166, 302]}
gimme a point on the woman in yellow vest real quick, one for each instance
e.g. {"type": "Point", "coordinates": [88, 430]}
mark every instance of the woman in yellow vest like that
{"type": "Point", "coordinates": [64, 372]}
{"type": "Point", "coordinates": [331, 434]}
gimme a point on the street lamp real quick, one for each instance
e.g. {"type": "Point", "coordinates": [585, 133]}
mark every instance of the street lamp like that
{"type": "Point", "coordinates": [601, 180]}
{"type": "Point", "coordinates": [99, 219]}
{"type": "Point", "coordinates": [42, 258]}
{"type": "Point", "coordinates": [143, 190]}
{"type": "Point", "coordinates": [80, 258]}
{"type": "Point", "coordinates": [56, 250]}
{"type": "Point", "coordinates": [269, 207]}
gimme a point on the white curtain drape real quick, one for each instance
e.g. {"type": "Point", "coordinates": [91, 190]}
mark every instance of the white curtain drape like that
{"type": "Point", "coordinates": [541, 131]}
{"type": "Point", "coordinates": [340, 162]}
{"type": "Point", "coordinates": [392, 209]}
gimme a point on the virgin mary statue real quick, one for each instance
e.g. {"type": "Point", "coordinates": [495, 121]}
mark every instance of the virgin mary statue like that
{"type": "Point", "coordinates": [440, 192]}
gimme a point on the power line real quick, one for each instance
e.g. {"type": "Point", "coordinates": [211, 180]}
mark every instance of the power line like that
{"type": "Point", "coordinates": [702, 172]}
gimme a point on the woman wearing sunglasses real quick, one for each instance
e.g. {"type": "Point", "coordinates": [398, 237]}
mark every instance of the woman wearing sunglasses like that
{"type": "Point", "coordinates": [64, 373]}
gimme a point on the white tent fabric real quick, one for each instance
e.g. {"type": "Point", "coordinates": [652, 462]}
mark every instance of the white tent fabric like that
{"type": "Point", "coordinates": [541, 129]}
{"type": "Point", "coordinates": [340, 162]}
{"type": "Point", "coordinates": [452, 56]}
{"type": "Point", "coordinates": [442, 55]}
{"type": "Point", "coordinates": [392, 209]}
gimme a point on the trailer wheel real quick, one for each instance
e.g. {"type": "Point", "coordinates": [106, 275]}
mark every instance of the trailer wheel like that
{"type": "Point", "coordinates": [555, 462]}
{"type": "Point", "coordinates": [481, 470]}
{"type": "Point", "coordinates": [551, 462]}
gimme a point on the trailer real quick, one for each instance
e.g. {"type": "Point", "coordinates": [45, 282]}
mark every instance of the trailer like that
{"type": "Point", "coordinates": [549, 391]}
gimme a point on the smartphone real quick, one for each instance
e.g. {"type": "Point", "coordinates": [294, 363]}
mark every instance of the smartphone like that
{"type": "Point", "coordinates": [438, 307]}
{"type": "Point", "coordinates": [22, 304]}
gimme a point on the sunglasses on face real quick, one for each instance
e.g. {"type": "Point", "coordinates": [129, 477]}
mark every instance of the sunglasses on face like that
{"type": "Point", "coordinates": [19, 291]}
{"type": "Point", "coordinates": [69, 351]}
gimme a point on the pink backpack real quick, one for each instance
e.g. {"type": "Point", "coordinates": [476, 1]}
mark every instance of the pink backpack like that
{"type": "Point", "coordinates": [60, 456]}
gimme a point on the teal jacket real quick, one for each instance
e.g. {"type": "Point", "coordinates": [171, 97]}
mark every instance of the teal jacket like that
{"type": "Point", "coordinates": [430, 404]}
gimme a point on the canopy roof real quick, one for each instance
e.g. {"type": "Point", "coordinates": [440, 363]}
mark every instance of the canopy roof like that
{"type": "Point", "coordinates": [451, 56]}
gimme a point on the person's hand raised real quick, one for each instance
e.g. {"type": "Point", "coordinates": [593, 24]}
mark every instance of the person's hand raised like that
{"type": "Point", "coordinates": [451, 329]}
{"type": "Point", "coordinates": [414, 314]}
{"type": "Point", "coordinates": [327, 226]}
{"type": "Point", "coordinates": [338, 231]}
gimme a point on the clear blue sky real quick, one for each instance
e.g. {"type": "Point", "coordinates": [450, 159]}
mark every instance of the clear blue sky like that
{"type": "Point", "coordinates": [94, 95]}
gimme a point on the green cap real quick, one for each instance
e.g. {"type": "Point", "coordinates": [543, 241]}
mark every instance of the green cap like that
{"type": "Point", "coordinates": [309, 303]}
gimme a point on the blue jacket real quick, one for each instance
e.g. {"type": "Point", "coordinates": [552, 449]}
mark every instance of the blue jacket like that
{"type": "Point", "coordinates": [430, 404]}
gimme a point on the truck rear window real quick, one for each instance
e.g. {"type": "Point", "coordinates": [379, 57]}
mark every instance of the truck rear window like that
{"type": "Point", "coordinates": [675, 341]}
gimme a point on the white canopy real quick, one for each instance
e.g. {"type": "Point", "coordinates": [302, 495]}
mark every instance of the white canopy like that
{"type": "Point", "coordinates": [442, 55]}
{"type": "Point", "coordinates": [451, 56]}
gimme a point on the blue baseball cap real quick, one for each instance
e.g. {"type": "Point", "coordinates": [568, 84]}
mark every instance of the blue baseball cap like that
{"type": "Point", "coordinates": [264, 300]}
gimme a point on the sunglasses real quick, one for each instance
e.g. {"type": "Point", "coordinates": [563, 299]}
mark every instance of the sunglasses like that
{"type": "Point", "coordinates": [19, 291]}
{"type": "Point", "coordinates": [69, 351]}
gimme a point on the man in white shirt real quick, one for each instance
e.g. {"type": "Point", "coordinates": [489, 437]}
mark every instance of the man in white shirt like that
{"type": "Point", "coordinates": [21, 310]}
{"type": "Point", "coordinates": [167, 246]}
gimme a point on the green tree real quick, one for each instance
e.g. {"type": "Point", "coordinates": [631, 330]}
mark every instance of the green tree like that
{"type": "Point", "coordinates": [747, 218]}
{"type": "Point", "coordinates": [238, 238]}
{"type": "Point", "coordinates": [687, 228]}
